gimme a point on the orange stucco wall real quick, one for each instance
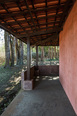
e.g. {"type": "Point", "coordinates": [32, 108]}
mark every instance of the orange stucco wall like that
{"type": "Point", "coordinates": [68, 57]}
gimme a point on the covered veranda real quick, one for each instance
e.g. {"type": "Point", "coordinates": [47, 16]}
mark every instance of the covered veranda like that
{"type": "Point", "coordinates": [44, 23]}
{"type": "Point", "coordinates": [47, 99]}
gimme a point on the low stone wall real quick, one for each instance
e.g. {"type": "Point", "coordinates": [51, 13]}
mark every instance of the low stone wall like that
{"type": "Point", "coordinates": [27, 84]}
{"type": "Point", "coordinates": [24, 74]}
{"type": "Point", "coordinates": [49, 70]}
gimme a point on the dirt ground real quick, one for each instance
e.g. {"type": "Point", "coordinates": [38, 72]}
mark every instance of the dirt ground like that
{"type": "Point", "coordinates": [9, 84]}
{"type": "Point", "coordinates": [47, 99]}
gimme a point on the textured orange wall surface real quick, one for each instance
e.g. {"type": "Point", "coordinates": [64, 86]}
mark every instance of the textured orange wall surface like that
{"type": "Point", "coordinates": [68, 57]}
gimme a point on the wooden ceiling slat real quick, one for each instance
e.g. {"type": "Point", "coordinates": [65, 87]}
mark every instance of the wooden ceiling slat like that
{"type": "Point", "coordinates": [12, 16]}
{"type": "Point", "coordinates": [57, 10]}
{"type": "Point", "coordinates": [46, 13]}
{"type": "Point", "coordinates": [5, 26]}
{"type": "Point", "coordinates": [35, 15]}
{"type": "Point", "coordinates": [56, 29]}
{"type": "Point", "coordinates": [46, 40]}
{"type": "Point", "coordinates": [30, 13]}
{"type": "Point", "coordinates": [6, 1]}
{"type": "Point", "coordinates": [32, 10]}
{"type": "Point", "coordinates": [24, 16]}
{"type": "Point", "coordinates": [65, 10]}
{"type": "Point", "coordinates": [36, 19]}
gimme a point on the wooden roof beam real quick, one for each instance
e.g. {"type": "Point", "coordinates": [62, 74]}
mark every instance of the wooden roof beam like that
{"type": "Point", "coordinates": [15, 20]}
{"type": "Point", "coordinates": [5, 1]}
{"type": "Point", "coordinates": [65, 10]}
{"type": "Point", "coordinates": [12, 16]}
{"type": "Point", "coordinates": [46, 13]}
{"type": "Point", "coordinates": [47, 40]}
{"type": "Point", "coordinates": [56, 29]}
{"type": "Point", "coordinates": [59, 2]}
{"type": "Point", "coordinates": [30, 13]}
{"type": "Point", "coordinates": [32, 10]}
{"type": "Point", "coordinates": [34, 32]}
{"type": "Point", "coordinates": [3, 26]}
{"type": "Point", "coordinates": [14, 23]}
{"type": "Point", "coordinates": [24, 16]}
{"type": "Point", "coordinates": [49, 16]}
{"type": "Point", "coordinates": [35, 14]}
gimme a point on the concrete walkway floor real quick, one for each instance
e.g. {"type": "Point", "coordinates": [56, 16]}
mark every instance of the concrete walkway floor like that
{"type": "Point", "coordinates": [47, 99]}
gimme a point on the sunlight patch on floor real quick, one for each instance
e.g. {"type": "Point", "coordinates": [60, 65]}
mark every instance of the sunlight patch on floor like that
{"type": "Point", "coordinates": [55, 78]}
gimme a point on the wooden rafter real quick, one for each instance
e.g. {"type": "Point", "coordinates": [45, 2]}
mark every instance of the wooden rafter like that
{"type": "Point", "coordinates": [12, 17]}
{"type": "Point", "coordinates": [46, 13]}
{"type": "Point", "coordinates": [35, 14]}
{"type": "Point", "coordinates": [65, 10]}
{"type": "Point", "coordinates": [57, 10]}
{"type": "Point", "coordinates": [33, 10]}
{"type": "Point", "coordinates": [57, 29]}
{"type": "Point", "coordinates": [47, 39]}
{"type": "Point", "coordinates": [30, 13]}
{"type": "Point", "coordinates": [24, 15]}
{"type": "Point", "coordinates": [35, 19]}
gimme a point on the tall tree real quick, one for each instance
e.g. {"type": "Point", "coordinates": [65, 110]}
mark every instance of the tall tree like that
{"type": "Point", "coordinates": [55, 52]}
{"type": "Point", "coordinates": [49, 54]}
{"type": "Point", "coordinates": [19, 52]}
{"type": "Point", "coordinates": [12, 47]}
{"type": "Point", "coordinates": [52, 53]}
{"type": "Point", "coordinates": [42, 53]}
{"type": "Point", "coordinates": [7, 49]}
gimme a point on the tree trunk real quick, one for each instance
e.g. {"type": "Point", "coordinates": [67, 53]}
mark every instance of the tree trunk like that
{"type": "Point", "coordinates": [7, 49]}
{"type": "Point", "coordinates": [52, 52]}
{"type": "Point", "coordinates": [55, 52]}
{"type": "Point", "coordinates": [12, 46]}
{"type": "Point", "coordinates": [58, 52]}
{"type": "Point", "coordinates": [19, 52]}
{"type": "Point", "coordinates": [49, 54]}
{"type": "Point", "coordinates": [42, 53]}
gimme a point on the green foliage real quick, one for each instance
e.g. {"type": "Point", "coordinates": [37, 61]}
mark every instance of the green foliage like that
{"type": "Point", "coordinates": [34, 50]}
{"type": "Point", "coordinates": [54, 59]}
{"type": "Point", "coordinates": [34, 55]}
{"type": "Point", "coordinates": [3, 63]}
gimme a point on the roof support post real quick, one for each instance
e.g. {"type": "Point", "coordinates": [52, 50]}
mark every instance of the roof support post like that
{"type": "Point", "coordinates": [28, 58]}
{"type": "Point", "coordinates": [28, 83]}
{"type": "Point", "coordinates": [37, 56]}
{"type": "Point", "coordinates": [31, 55]}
